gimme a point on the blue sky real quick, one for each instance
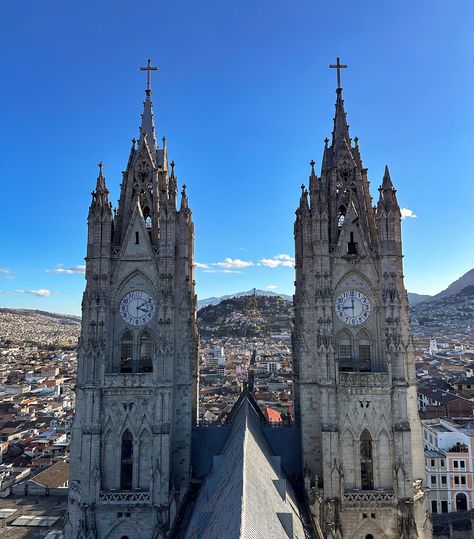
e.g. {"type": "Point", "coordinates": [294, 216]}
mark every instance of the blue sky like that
{"type": "Point", "coordinates": [245, 98]}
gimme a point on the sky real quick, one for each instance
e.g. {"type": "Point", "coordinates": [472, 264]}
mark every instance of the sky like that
{"type": "Point", "coordinates": [245, 98]}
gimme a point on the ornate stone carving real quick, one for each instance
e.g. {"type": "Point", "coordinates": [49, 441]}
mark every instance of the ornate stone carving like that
{"type": "Point", "coordinates": [369, 498]}
{"type": "Point", "coordinates": [366, 379]}
{"type": "Point", "coordinates": [122, 497]}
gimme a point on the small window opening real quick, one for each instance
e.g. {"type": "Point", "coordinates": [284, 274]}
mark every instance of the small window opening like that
{"type": "Point", "coordinates": [147, 216]}
{"type": "Point", "coordinates": [146, 351]}
{"type": "Point", "coordinates": [126, 468]}
{"type": "Point", "coordinates": [369, 536]}
{"type": "Point", "coordinates": [126, 352]}
{"type": "Point", "coordinates": [364, 357]}
{"type": "Point", "coordinates": [137, 238]}
{"type": "Point", "coordinates": [352, 246]}
{"type": "Point", "coordinates": [366, 463]}
{"type": "Point", "coordinates": [345, 355]}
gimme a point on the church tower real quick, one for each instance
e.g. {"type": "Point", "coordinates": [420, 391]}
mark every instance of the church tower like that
{"type": "Point", "coordinates": [355, 385]}
{"type": "Point", "coordinates": [137, 356]}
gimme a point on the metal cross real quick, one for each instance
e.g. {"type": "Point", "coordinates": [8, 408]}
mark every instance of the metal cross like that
{"type": "Point", "coordinates": [338, 66]}
{"type": "Point", "coordinates": [149, 68]}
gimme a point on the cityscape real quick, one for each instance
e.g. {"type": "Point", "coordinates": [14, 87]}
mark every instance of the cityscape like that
{"type": "Point", "coordinates": [237, 282]}
{"type": "Point", "coordinates": [38, 376]}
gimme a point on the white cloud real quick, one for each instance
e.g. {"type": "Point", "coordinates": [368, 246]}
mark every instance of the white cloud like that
{"type": "Point", "coordinates": [41, 292]}
{"type": "Point", "coordinates": [407, 213]}
{"type": "Point", "coordinates": [67, 271]}
{"type": "Point", "coordinates": [5, 273]}
{"type": "Point", "coordinates": [229, 265]}
{"type": "Point", "coordinates": [233, 263]}
{"type": "Point", "coordinates": [279, 260]}
{"type": "Point", "coordinates": [271, 287]}
{"type": "Point", "coordinates": [221, 271]}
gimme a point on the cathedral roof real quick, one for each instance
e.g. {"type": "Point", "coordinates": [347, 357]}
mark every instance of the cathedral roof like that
{"type": "Point", "coordinates": [246, 494]}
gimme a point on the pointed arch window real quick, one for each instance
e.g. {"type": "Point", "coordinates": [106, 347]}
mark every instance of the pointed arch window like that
{"type": "Point", "coordinates": [126, 352]}
{"type": "Point", "coordinates": [146, 352]}
{"type": "Point", "coordinates": [344, 351]}
{"type": "Point", "coordinates": [366, 462]}
{"type": "Point", "coordinates": [364, 351]}
{"type": "Point", "coordinates": [341, 216]}
{"type": "Point", "coordinates": [147, 216]}
{"type": "Point", "coordinates": [126, 463]}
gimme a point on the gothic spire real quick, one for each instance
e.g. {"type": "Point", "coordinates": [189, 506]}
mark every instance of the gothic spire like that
{"type": "Point", "coordinates": [388, 197]}
{"type": "Point", "coordinates": [148, 121]}
{"type": "Point", "coordinates": [100, 197]}
{"type": "Point", "coordinates": [341, 129]}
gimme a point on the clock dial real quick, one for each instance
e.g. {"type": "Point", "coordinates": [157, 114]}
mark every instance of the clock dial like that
{"type": "Point", "coordinates": [137, 308]}
{"type": "Point", "coordinates": [353, 307]}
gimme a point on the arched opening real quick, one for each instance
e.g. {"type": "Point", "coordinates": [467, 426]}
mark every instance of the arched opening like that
{"type": "Point", "coordinates": [147, 216]}
{"type": "Point", "coordinates": [366, 462]}
{"type": "Point", "coordinates": [341, 216]}
{"type": "Point", "coordinates": [365, 352]}
{"type": "Point", "coordinates": [126, 463]}
{"type": "Point", "coordinates": [344, 351]}
{"type": "Point", "coordinates": [461, 502]}
{"type": "Point", "coordinates": [369, 536]}
{"type": "Point", "coordinates": [126, 352]}
{"type": "Point", "coordinates": [146, 352]}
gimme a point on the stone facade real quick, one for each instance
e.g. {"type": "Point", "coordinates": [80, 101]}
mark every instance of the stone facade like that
{"type": "Point", "coordinates": [353, 354]}
{"type": "Point", "coordinates": [137, 358]}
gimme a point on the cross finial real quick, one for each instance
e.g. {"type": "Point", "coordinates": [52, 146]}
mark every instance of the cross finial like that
{"type": "Point", "coordinates": [100, 167]}
{"type": "Point", "coordinates": [338, 66]}
{"type": "Point", "coordinates": [149, 68]}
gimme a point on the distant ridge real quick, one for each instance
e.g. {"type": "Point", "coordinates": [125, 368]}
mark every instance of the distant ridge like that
{"type": "Point", "coordinates": [457, 286]}
{"type": "Point", "coordinates": [214, 300]}
{"type": "Point", "coordinates": [65, 318]}
{"type": "Point", "coordinates": [414, 298]}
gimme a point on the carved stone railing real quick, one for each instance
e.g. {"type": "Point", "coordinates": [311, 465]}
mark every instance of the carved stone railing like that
{"type": "Point", "coordinates": [124, 497]}
{"type": "Point", "coordinates": [364, 379]}
{"type": "Point", "coordinates": [369, 498]}
{"type": "Point", "coordinates": [128, 380]}
{"type": "Point", "coordinates": [75, 490]}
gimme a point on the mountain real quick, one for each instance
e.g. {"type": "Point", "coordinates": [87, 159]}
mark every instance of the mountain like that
{"type": "Point", "coordinates": [413, 298]}
{"type": "Point", "coordinates": [214, 300]}
{"type": "Point", "coordinates": [246, 316]}
{"type": "Point", "coordinates": [454, 288]}
{"type": "Point", "coordinates": [453, 313]}
{"type": "Point", "coordinates": [20, 327]}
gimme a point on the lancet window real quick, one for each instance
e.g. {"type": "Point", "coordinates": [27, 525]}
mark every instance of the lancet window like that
{"type": "Point", "coordinates": [145, 352]}
{"type": "Point", "coordinates": [126, 463]}
{"type": "Point", "coordinates": [366, 462]}
{"type": "Point", "coordinates": [126, 352]}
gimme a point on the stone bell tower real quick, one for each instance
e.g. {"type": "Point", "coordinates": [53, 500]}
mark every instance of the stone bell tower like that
{"type": "Point", "coordinates": [137, 356]}
{"type": "Point", "coordinates": [354, 357]}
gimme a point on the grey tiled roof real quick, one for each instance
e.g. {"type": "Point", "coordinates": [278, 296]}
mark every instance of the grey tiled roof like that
{"type": "Point", "coordinates": [246, 494]}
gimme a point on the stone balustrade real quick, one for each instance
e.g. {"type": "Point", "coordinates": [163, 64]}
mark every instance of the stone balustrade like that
{"type": "Point", "coordinates": [364, 379]}
{"type": "Point", "coordinates": [369, 498]}
{"type": "Point", "coordinates": [124, 497]}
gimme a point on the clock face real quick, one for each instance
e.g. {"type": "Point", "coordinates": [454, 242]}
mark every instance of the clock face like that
{"type": "Point", "coordinates": [353, 307]}
{"type": "Point", "coordinates": [137, 308]}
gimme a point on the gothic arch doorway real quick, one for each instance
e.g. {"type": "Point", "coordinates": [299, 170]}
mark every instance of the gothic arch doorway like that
{"type": "Point", "coordinates": [461, 502]}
